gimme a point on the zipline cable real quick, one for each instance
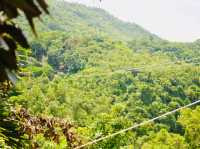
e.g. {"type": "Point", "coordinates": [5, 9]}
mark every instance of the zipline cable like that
{"type": "Point", "coordinates": [137, 125]}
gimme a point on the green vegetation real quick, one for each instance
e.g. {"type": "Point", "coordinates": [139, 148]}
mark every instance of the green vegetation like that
{"type": "Point", "coordinates": [103, 75]}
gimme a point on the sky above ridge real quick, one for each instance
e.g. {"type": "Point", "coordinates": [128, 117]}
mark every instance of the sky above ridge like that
{"type": "Point", "coordinates": [174, 20]}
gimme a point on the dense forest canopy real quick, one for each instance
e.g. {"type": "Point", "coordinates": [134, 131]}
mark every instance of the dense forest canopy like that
{"type": "Point", "coordinates": [102, 75]}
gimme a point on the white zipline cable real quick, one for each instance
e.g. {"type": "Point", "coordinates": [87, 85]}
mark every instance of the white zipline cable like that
{"type": "Point", "coordinates": [137, 125]}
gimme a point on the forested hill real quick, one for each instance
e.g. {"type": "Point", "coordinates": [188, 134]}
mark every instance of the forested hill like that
{"type": "Point", "coordinates": [71, 17]}
{"type": "Point", "coordinates": [103, 75]}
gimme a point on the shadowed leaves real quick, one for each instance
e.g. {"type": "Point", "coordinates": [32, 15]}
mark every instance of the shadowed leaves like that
{"type": "Point", "coordinates": [11, 35]}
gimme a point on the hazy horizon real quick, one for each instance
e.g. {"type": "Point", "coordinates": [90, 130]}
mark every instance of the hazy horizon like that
{"type": "Point", "coordinates": [174, 20]}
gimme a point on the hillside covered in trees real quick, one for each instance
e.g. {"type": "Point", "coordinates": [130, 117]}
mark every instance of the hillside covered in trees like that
{"type": "Point", "coordinates": [102, 75]}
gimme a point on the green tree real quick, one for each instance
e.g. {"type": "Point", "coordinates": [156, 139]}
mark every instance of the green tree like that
{"type": "Point", "coordinates": [190, 120]}
{"type": "Point", "coordinates": [165, 140]}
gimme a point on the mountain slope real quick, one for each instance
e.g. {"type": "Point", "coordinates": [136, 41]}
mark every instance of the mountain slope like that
{"type": "Point", "coordinates": [85, 72]}
{"type": "Point", "coordinates": [99, 19]}
{"type": "Point", "coordinates": [71, 17]}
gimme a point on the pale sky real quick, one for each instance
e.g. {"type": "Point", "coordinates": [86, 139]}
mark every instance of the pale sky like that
{"type": "Point", "coordinates": [174, 20]}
